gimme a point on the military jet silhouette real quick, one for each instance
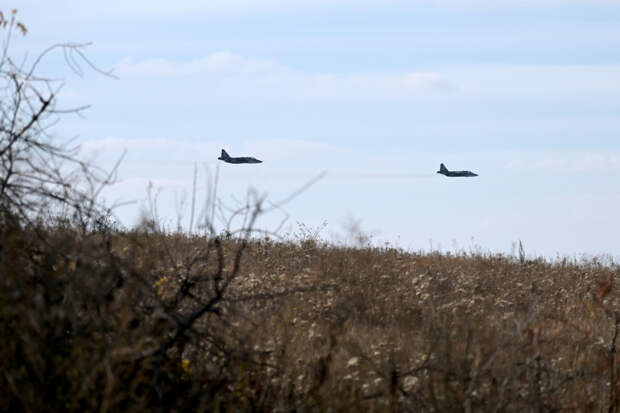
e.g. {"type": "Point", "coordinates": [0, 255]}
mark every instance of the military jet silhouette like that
{"type": "Point", "coordinates": [444, 171]}
{"type": "Point", "coordinates": [242, 159]}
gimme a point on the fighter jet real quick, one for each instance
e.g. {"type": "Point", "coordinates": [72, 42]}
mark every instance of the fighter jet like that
{"type": "Point", "coordinates": [444, 171]}
{"type": "Point", "coordinates": [242, 159]}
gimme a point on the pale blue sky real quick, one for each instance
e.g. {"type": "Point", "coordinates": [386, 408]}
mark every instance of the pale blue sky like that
{"type": "Point", "coordinates": [375, 92]}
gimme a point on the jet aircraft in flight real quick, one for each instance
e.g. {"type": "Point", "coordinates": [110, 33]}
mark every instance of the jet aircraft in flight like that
{"type": "Point", "coordinates": [444, 171]}
{"type": "Point", "coordinates": [242, 159]}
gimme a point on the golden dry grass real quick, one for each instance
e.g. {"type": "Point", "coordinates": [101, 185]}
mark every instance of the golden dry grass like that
{"type": "Point", "coordinates": [302, 326]}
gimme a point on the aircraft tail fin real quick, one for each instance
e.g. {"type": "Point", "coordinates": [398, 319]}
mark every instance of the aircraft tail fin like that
{"type": "Point", "coordinates": [442, 168]}
{"type": "Point", "coordinates": [225, 155]}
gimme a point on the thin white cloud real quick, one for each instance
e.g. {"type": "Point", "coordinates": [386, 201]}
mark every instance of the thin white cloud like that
{"type": "Point", "coordinates": [569, 163]}
{"type": "Point", "coordinates": [227, 76]}
{"type": "Point", "coordinates": [537, 80]}
{"type": "Point", "coordinates": [218, 62]}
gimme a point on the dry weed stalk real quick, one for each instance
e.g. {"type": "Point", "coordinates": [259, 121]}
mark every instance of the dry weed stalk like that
{"type": "Point", "coordinates": [93, 317]}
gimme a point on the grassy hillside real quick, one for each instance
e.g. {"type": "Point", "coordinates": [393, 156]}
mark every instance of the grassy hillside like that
{"type": "Point", "coordinates": [136, 321]}
{"type": "Point", "coordinates": [98, 319]}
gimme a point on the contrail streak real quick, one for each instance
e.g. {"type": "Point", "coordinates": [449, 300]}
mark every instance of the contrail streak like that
{"type": "Point", "coordinates": [380, 175]}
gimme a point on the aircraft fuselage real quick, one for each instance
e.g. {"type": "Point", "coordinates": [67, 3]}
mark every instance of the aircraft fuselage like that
{"type": "Point", "coordinates": [444, 171]}
{"type": "Point", "coordinates": [458, 173]}
{"type": "Point", "coordinates": [240, 159]}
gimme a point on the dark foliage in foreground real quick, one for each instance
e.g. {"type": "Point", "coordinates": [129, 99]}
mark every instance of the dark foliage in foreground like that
{"type": "Point", "coordinates": [136, 321]}
{"type": "Point", "coordinates": [97, 319]}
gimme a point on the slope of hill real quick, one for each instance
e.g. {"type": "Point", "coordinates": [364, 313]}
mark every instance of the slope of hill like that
{"type": "Point", "coordinates": [133, 321]}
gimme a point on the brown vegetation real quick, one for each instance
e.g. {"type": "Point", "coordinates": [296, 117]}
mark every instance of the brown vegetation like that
{"type": "Point", "coordinates": [100, 322]}
{"type": "Point", "coordinates": [93, 318]}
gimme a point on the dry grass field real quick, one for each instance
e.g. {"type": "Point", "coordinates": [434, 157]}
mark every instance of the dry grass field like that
{"type": "Point", "coordinates": [138, 321]}
{"type": "Point", "coordinates": [98, 319]}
